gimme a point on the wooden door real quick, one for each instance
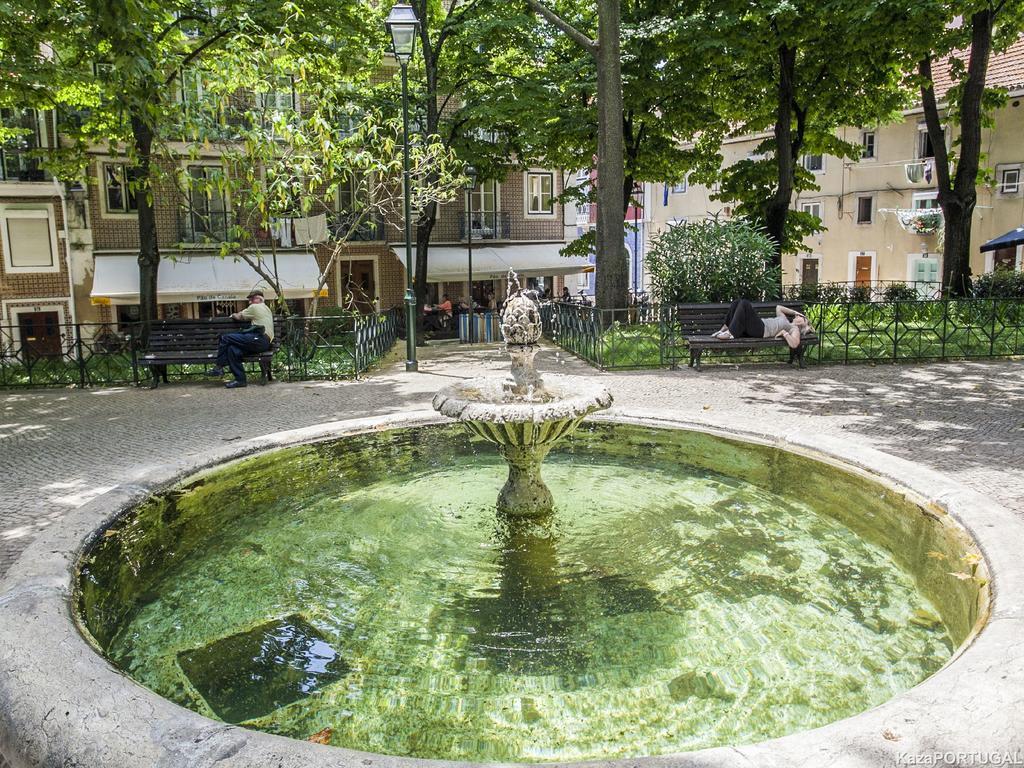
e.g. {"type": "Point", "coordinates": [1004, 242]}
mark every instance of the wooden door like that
{"type": "Point", "coordinates": [862, 275]}
{"type": "Point", "coordinates": [40, 333]}
{"type": "Point", "coordinates": [357, 285]}
{"type": "Point", "coordinates": [809, 272]}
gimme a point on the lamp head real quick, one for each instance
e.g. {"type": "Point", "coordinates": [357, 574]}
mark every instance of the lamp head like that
{"type": "Point", "coordinates": [403, 26]}
{"type": "Point", "coordinates": [470, 172]}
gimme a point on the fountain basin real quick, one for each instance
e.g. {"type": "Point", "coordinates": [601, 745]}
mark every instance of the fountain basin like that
{"type": "Point", "coordinates": [108, 720]}
{"type": "Point", "coordinates": [525, 423]}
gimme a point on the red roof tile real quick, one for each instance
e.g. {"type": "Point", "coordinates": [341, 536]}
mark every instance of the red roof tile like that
{"type": "Point", "coordinates": [1005, 70]}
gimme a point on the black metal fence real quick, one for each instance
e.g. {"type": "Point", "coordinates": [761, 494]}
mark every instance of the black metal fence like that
{"type": "Point", "coordinates": [611, 339]}
{"type": "Point", "coordinates": [96, 354]}
{"type": "Point", "coordinates": [648, 336]}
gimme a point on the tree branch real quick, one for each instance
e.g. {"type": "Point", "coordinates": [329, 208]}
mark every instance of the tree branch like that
{"type": "Point", "coordinates": [195, 53]}
{"type": "Point", "coordinates": [587, 43]}
{"type": "Point", "coordinates": [931, 118]}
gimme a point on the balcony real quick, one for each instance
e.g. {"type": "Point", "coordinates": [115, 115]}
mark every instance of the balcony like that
{"type": "Point", "coordinates": [212, 227]}
{"type": "Point", "coordinates": [344, 227]}
{"type": "Point", "coordinates": [494, 225]}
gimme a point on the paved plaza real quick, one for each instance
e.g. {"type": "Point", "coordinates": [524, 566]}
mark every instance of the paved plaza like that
{"type": "Point", "coordinates": [61, 448]}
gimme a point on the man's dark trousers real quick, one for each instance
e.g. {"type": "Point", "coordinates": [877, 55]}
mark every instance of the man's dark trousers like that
{"type": "Point", "coordinates": [234, 346]}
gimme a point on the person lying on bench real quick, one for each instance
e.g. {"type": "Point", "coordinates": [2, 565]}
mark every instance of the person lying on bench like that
{"type": "Point", "coordinates": [250, 341]}
{"type": "Point", "coordinates": [743, 322]}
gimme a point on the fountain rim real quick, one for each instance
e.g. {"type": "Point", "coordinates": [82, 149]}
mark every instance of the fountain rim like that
{"type": "Point", "coordinates": [62, 702]}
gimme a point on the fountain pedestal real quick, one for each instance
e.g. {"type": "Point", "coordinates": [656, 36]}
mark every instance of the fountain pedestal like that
{"type": "Point", "coordinates": [524, 416]}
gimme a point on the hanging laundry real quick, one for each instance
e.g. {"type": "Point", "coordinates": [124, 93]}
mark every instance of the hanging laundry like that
{"type": "Point", "coordinates": [928, 165]}
{"type": "Point", "coordinates": [318, 228]}
{"type": "Point", "coordinates": [301, 226]}
{"type": "Point", "coordinates": [281, 230]}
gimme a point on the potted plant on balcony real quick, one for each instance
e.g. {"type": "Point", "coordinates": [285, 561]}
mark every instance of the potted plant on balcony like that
{"type": "Point", "coordinates": [927, 221]}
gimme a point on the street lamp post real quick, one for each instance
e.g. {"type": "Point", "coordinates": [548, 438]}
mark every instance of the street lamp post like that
{"type": "Point", "coordinates": [470, 186]}
{"type": "Point", "coordinates": [403, 26]}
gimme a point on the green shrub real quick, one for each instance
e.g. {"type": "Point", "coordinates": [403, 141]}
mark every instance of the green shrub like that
{"type": "Point", "coordinates": [900, 292]}
{"type": "Point", "coordinates": [1001, 284]}
{"type": "Point", "coordinates": [712, 261]}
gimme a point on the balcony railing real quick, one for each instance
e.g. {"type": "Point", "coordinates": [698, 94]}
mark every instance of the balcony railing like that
{"type": "Point", "coordinates": [348, 227]}
{"type": "Point", "coordinates": [195, 227]}
{"type": "Point", "coordinates": [495, 225]}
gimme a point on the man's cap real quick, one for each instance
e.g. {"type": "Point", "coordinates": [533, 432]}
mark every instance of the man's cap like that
{"type": "Point", "coordinates": [255, 292]}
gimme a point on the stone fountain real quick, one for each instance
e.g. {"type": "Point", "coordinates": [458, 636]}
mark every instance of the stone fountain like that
{"type": "Point", "coordinates": [525, 415]}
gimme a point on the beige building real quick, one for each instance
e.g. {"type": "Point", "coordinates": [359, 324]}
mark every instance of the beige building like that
{"type": "Point", "coordinates": [879, 212]}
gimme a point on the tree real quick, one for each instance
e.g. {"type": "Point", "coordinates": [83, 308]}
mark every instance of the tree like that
{"type": "Point", "coordinates": [123, 71]}
{"type": "Point", "coordinates": [786, 79]}
{"type": "Point", "coordinates": [612, 279]}
{"type": "Point", "coordinates": [973, 31]}
{"type": "Point", "coordinates": [282, 162]}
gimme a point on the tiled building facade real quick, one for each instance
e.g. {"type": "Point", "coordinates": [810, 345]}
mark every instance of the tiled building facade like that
{"type": "Point", "coordinates": [872, 208]}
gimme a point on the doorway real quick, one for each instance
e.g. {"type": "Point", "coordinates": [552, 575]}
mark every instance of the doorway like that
{"type": "Point", "coordinates": [862, 268]}
{"type": "Point", "coordinates": [40, 334]}
{"type": "Point", "coordinates": [809, 271]}
{"type": "Point", "coordinates": [358, 288]}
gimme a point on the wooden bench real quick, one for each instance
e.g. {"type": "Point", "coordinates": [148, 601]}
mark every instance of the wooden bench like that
{"type": "Point", "coordinates": [698, 321]}
{"type": "Point", "coordinates": [184, 342]}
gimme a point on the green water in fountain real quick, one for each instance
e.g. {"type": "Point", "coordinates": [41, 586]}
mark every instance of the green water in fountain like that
{"type": "Point", "coordinates": [368, 587]}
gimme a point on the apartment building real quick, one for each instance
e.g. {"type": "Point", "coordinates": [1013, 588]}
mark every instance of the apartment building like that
{"type": "Point", "coordinates": [880, 213]}
{"type": "Point", "coordinates": [38, 225]}
{"type": "Point", "coordinates": [70, 251]}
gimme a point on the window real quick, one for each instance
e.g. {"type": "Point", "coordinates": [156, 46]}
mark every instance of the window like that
{"type": "Point", "coordinates": [207, 216]}
{"type": "Point", "coordinates": [864, 210]}
{"type": "Point", "coordinates": [119, 190]}
{"type": "Point", "coordinates": [924, 148]}
{"type": "Point", "coordinates": [680, 188]}
{"type": "Point", "coordinates": [924, 200]}
{"type": "Point", "coordinates": [16, 161]}
{"type": "Point", "coordinates": [814, 163]}
{"type": "Point", "coordinates": [1009, 180]}
{"type": "Point", "coordinates": [281, 99]}
{"type": "Point", "coordinates": [191, 90]}
{"type": "Point", "coordinates": [539, 192]}
{"type": "Point", "coordinates": [352, 194]}
{"type": "Point", "coordinates": [487, 136]}
{"type": "Point", "coordinates": [812, 208]}
{"type": "Point", "coordinates": [867, 143]}
{"type": "Point", "coordinates": [485, 197]}
{"type": "Point", "coordinates": [29, 239]}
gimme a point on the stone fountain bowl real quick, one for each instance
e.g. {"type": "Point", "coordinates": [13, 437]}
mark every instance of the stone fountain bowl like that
{"type": "Point", "coordinates": [562, 399]}
{"type": "Point", "coordinates": [524, 427]}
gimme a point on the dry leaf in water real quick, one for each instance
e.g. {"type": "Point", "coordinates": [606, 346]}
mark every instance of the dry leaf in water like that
{"type": "Point", "coordinates": [322, 737]}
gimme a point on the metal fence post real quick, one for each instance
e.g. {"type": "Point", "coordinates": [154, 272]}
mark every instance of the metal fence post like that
{"type": "Point", "coordinates": [896, 331]}
{"type": "Point", "coordinates": [992, 335]}
{"type": "Point", "coordinates": [945, 325]}
{"type": "Point", "coordinates": [79, 355]}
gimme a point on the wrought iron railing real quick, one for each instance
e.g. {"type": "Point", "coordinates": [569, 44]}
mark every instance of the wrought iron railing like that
{"type": "Point", "coordinates": [354, 228]}
{"type": "Point", "coordinates": [99, 354]}
{"type": "Point", "coordinates": [611, 339]}
{"type": "Point", "coordinates": [83, 354]}
{"type": "Point", "coordinates": [879, 290]}
{"type": "Point", "coordinates": [848, 332]}
{"type": "Point", "coordinates": [335, 346]}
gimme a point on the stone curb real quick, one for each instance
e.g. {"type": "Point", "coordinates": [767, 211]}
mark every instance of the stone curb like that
{"type": "Point", "coordinates": [62, 704]}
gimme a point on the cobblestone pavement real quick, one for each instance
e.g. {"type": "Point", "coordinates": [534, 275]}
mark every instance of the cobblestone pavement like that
{"type": "Point", "coordinates": [60, 448]}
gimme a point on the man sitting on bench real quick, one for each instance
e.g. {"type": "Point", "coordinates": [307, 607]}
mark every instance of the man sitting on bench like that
{"type": "Point", "coordinates": [234, 346]}
{"type": "Point", "coordinates": [742, 321]}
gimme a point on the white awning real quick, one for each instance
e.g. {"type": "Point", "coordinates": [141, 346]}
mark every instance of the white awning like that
{"type": "Point", "coordinates": [202, 278]}
{"type": "Point", "coordinates": [490, 262]}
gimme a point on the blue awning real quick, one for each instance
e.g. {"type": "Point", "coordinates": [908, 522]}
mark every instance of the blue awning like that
{"type": "Point", "coordinates": [1011, 239]}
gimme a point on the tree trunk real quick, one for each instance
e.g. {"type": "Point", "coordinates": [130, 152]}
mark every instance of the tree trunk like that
{"type": "Point", "coordinates": [424, 229]}
{"type": "Point", "coordinates": [777, 209]}
{"type": "Point", "coordinates": [958, 197]}
{"type": "Point", "coordinates": [149, 249]}
{"type": "Point", "coordinates": [612, 278]}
